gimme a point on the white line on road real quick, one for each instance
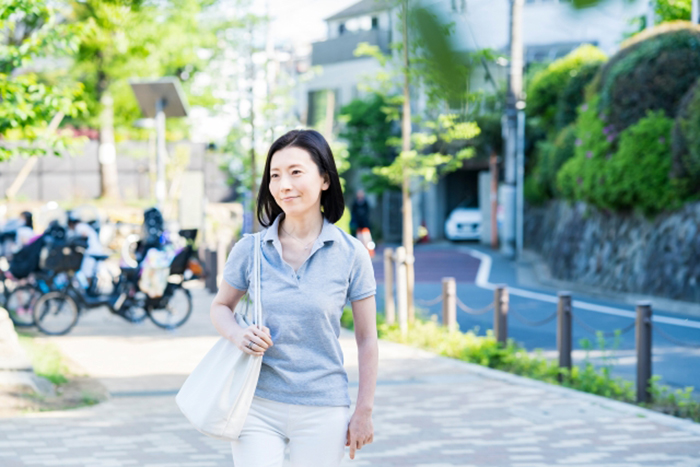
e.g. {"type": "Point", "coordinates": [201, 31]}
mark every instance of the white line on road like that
{"type": "Point", "coordinates": [482, 280]}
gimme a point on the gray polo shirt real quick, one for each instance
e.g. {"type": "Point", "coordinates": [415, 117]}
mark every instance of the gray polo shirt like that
{"type": "Point", "coordinates": [302, 310]}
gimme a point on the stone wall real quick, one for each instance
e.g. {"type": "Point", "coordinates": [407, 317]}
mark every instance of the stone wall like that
{"type": "Point", "coordinates": [619, 252]}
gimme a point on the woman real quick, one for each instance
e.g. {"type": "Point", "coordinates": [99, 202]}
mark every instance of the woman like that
{"type": "Point", "coordinates": [310, 270]}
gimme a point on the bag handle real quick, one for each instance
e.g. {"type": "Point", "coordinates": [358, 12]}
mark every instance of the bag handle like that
{"type": "Point", "coordinates": [257, 265]}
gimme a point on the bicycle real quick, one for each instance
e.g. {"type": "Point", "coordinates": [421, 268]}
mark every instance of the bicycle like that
{"type": "Point", "coordinates": [57, 312]}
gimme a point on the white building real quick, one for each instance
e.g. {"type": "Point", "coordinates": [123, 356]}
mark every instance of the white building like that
{"type": "Point", "coordinates": [551, 29]}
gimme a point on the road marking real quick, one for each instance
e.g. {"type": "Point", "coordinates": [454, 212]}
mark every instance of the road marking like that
{"type": "Point", "coordinates": [482, 280]}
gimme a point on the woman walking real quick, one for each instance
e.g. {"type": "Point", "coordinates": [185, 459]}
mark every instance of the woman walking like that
{"type": "Point", "coordinates": [310, 270]}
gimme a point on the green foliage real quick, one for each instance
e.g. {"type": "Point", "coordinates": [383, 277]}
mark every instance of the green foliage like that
{"type": "Point", "coordinates": [546, 87]}
{"type": "Point", "coordinates": [636, 176]}
{"type": "Point", "coordinates": [652, 72]}
{"type": "Point", "coordinates": [435, 161]}
{"type": "Point", "coordinates": [133, 39]}
{"type": "Point", "coordinates": [46, 360]}
{"type": "Point", "coordinates": [672, 10]}
{"type": "Point", "coordinates": [445, 143]}
{"type": "Point", "coordinates": [367, 128]}
{"type": "Point", "coordinates": [551, 156]}
{"type": "Point", "coordinates": [33, 30]}
{"type": "Point", "coordinates": [513, 358]}
{"type": "Point", "coordinates": [686, 143]}
{"type": "Point", "coordinates": [573, 94]}
{"type": "Point", "coordinates": [594, 143]}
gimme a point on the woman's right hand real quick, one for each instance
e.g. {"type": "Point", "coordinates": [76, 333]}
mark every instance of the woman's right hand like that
{"type": "Point", "coordinates": [258, 335]}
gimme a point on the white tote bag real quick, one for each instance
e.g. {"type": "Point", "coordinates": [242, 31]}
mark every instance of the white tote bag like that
{"type": "Point", "coordinates": [217, 396]}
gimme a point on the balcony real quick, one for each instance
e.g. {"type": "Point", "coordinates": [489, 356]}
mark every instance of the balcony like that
{"type": "Point", "coordinates": [342, 48]}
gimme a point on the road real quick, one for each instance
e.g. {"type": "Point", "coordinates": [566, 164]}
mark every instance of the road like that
{"type": "Point", "coordinates": [678, 365]}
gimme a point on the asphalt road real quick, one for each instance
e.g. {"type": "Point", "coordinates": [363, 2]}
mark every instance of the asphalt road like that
{"type": "Point", "coordinates": [678, 365]}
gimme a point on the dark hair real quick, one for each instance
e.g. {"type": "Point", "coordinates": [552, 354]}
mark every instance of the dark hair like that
{"type": "Point", "coordinates": [315, 144]}
{"type": "Point", "coordinates": [28, 219]}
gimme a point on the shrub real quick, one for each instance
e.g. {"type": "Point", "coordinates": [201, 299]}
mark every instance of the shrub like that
{"type": "Point", "coordinates": [652, 72]}
{"type": "Point", "coordinates": [550, 156]}
{"type": "Point", "coordinates": [572, 96]}
{"type": "Point", "coordinates": [636, 176]}
{"type": "Point", "coordinates": [547, 85]}
{"type": "Point", "coordinates": [686, 143]}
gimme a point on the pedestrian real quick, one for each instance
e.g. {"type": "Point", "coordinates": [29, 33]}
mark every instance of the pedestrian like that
{"type": "Point", "coordinates": [310, 270]}
{"type": "Point", "coordinates": [359, 213]}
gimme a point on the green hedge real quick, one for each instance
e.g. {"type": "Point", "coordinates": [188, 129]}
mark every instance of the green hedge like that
{"type": "Point", "coordinates": [573, 94]}
{"type": "Point", "coordinates": [652, 72]}
{"type": "Point", "coordinates": [546, 87]}
{"type": "Point", "coordinates": [686, 143]}
{"type": "Point", "coordinates": [636, 176]}
{"type": "Point", "coordinates": [550, 156]}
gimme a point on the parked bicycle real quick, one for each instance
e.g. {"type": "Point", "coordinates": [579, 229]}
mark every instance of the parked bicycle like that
{"type": "Point", "coordinates": [58, 311]}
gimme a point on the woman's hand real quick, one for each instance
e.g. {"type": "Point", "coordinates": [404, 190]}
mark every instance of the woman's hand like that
{"type": "Point", "coordinates": [360, 431]}
{"type": "Point", "coordinates": [259, 336]}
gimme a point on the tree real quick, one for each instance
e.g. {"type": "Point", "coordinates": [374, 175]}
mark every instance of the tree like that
{"type": "Point", "coordinates": [33, 29]}
{"type": "Point", "coordinates": [426, 60]}
{"type": "Point", "coordinates": [128, 39]}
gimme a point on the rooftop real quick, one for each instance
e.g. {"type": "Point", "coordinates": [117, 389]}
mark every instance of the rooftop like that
{"type": "Point", "coordinates": [361, 8]}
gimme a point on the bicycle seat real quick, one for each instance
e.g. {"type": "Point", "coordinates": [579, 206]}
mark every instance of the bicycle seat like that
{"type": "Point", "coordinates": [99, 257]}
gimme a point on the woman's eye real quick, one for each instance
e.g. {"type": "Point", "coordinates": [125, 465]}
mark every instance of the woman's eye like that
{"type": "Point", "coordinates": [273, 175]}
{"type": "Point", "coordinates": [296, 172]}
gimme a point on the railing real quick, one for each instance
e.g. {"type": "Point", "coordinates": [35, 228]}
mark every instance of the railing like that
{"type": "Point", "coordinates": [564, 315]}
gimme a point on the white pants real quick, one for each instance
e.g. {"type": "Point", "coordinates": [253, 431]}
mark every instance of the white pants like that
{"type": "Point", "coordinates": [315, 436]}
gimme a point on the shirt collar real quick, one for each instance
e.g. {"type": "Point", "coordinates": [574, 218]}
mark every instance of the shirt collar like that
{"type": "Point", "coordinates": [329, 232]}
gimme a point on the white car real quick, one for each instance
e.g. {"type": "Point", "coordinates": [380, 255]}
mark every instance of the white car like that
{"type": "Point", "coordinates": [464, 223]}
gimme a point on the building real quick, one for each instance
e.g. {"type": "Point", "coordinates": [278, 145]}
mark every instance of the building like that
{"type": "Point", "coordinates": [551, 29]}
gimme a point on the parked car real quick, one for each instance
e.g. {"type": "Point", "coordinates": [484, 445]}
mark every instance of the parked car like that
{"type": "Point", "coordinates": [463, 223]}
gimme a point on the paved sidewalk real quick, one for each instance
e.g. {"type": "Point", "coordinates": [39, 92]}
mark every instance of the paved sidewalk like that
{"type": "Point", "coordinates": [430, 411]}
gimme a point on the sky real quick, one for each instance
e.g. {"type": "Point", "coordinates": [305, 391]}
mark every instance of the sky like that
{"type": "Point", "coordinates": [301, 21]}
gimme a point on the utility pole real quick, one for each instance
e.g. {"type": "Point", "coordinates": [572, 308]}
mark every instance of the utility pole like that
{"type": "Point", "coordinates": [406, 176]}
{"type": "Point", "coordinates": [513, 104]}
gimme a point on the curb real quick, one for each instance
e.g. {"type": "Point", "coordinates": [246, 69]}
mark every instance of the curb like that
{"type": "Point", "coordinates": [631, 409]}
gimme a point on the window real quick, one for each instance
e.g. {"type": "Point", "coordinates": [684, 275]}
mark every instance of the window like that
{"type": "Point", "coordinates": [341, 28]}
{"type": "Point", "coordinates": [375, 22]}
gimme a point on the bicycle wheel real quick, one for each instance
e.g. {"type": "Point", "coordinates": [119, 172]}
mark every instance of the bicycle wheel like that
{"type": "Point", "coordinates": [178, 308]}
{"type": "Point", "coordinates": [20, 303]}
{"type": "Point", "coordinates": [55, 313]}
{"type": "Point", "coordinates": [134, 309]}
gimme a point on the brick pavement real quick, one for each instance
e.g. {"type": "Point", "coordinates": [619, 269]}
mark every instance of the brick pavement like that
{"type": "Point", "coordinates": [430, 411]}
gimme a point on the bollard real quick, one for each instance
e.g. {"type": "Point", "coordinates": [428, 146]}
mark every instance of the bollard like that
{"type": "Point", "coordinates": [211, 261]}
{"type": "Point", "coordinates": [401, 295]}
{"type": "Point", "coordinates": [389, 305]}
{"type": "Point", "coordinates": [449, 303]}
{"type": "Point", "coordinates": [564, 330]}
{"type": "Point", "coordinates": [500, 315]}
{"type": "Point", "coordinates": [643, 337]}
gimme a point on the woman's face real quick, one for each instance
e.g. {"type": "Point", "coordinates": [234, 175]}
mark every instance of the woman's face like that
{"type": "Point", "coordinates": [295, 181]}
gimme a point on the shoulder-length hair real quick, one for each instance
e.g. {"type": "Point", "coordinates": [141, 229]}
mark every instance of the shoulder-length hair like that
{"type": "Point", "coordinates": [332, 202]}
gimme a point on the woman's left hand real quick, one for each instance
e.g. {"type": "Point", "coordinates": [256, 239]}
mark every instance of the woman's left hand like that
{"type": "Point", "coordinates": [360, 431]}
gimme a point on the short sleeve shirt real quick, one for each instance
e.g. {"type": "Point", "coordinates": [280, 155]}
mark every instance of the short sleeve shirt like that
{"type": "Point", "coordinates": [302, 309]}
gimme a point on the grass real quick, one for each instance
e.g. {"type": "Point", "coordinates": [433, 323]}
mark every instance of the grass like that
{"type": "Point", "coordinates": [467, 346]}
{"type": "Point", "coordinates": [46, 359]}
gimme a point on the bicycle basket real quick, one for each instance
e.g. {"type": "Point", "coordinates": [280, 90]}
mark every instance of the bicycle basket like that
{"type": "Point", "coordinates": [63, 257]}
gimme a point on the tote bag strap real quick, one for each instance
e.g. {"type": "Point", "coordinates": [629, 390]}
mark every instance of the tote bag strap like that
{"type": "Point", "coordinates": [257, 267]}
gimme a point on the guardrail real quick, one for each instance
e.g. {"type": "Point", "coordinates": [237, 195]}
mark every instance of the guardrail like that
{"type": "Point", "coordinates": [564, 315]}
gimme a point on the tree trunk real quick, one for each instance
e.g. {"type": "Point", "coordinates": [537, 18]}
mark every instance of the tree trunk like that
{"type": "Point", "coordinates": [107, 154]}
{"type": "Point", "coordinates": [405, 185]}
